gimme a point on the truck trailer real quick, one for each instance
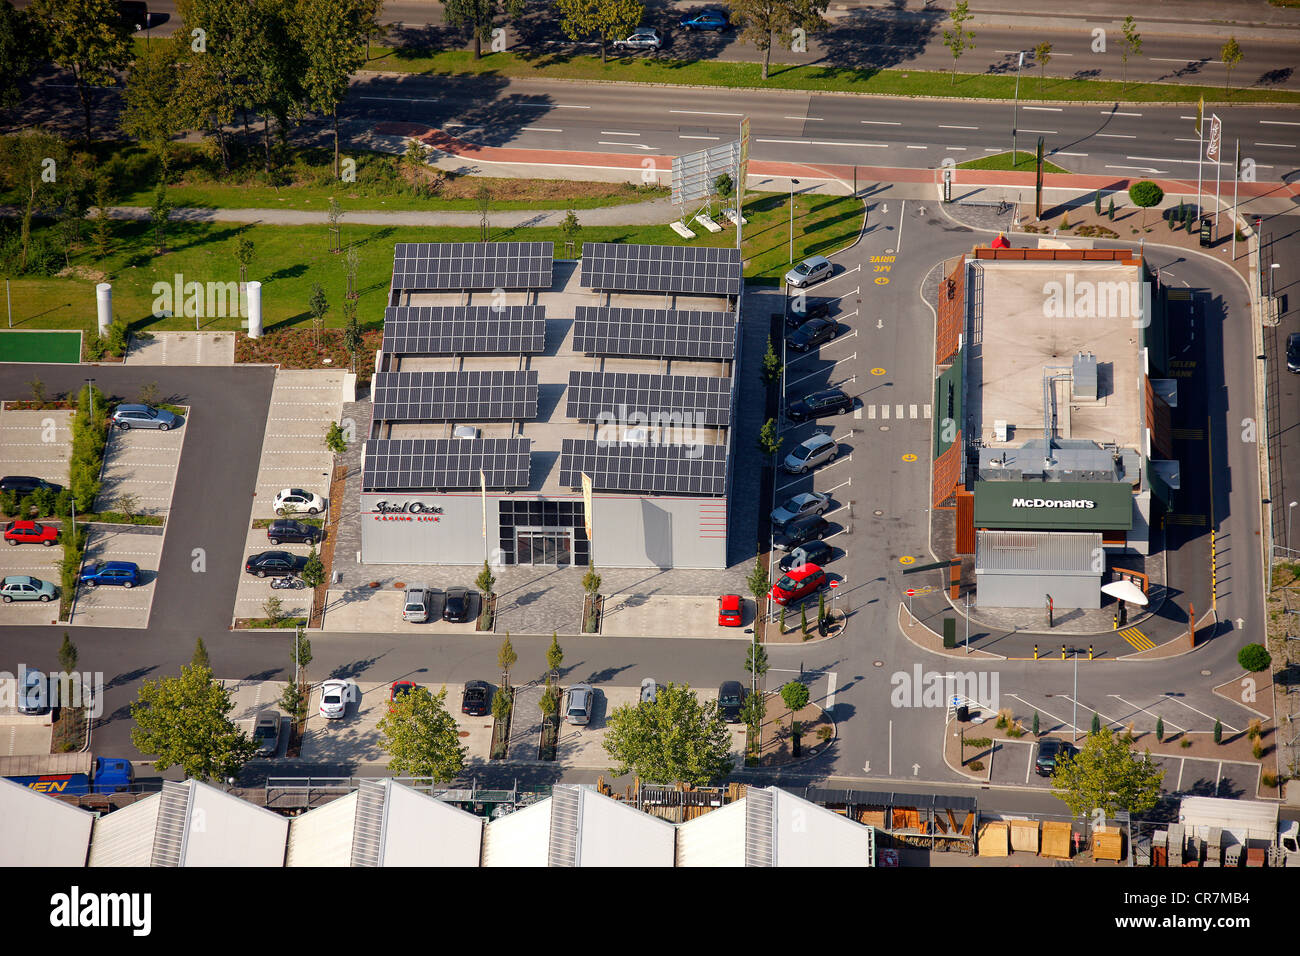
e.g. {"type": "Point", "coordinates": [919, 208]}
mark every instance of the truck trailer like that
{"type": "Point", "coordinates": [74, 774]}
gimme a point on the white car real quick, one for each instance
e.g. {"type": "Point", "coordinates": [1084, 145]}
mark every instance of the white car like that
{"type": "Point", "coordinates": [645, 38]}
{"type": "Point", "coordinates": [334, 698]}
{"type": "Point", "coordinates": [297, 501]}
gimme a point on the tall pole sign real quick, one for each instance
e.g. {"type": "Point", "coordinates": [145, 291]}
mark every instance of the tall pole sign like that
{"type": "Point", "coordinates": [741, 173]}
{"type": "Point", "coordinates": [1212, 154]}
{"type": "Point", "coordinates": [1038, 185]}
{"type": "Point", "coordinates": [1200, 142]}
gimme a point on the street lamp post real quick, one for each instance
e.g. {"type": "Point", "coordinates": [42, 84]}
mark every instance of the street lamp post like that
{"type": "Point", "coordinates": [1288, 526]}
{"type": "Point", "coordinates": [1272, 307]}
{"type": "Point", "coordinates": [90, 390]}
{"type": "Point", "coordinates": [793, 183]}
{"type": "Point", "coordinates": [1074, 721]}
{"type": "Point", "coordinates": [1015, 116]}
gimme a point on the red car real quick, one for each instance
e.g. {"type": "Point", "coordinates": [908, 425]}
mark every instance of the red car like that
{"type": "Point", "coordinates": [798, 582]}
{"type": "Point", "coordinates": [729, 608]}
{"type": "Point", "coordinates": [399, 688]}
{"type": "Point", "coordinates": [31, 532]}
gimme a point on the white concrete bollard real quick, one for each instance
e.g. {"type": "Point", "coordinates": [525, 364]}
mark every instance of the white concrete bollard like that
{"type": "Point", "coordinates": [254, 310]}
{"type": "Point", "coordinates": [104, 307]}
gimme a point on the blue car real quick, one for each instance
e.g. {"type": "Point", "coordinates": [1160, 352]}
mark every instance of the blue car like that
{"type": "Point", "coordinates": [122, 573]}
{"type": "Point", "coordinates": [706, 20]}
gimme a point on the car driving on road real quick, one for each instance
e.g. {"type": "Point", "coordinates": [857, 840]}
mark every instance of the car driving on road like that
{"type": "Point", "coordinates": [710, 19]}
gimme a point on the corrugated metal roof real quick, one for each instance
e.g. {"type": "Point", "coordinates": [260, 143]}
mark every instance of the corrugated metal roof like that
{"type": "Point", "coordinates": [125, 837]}
{"type": "Point", "coordinates": [323, 837]}
{"type": "Point", "coordinates": [1039, 552]}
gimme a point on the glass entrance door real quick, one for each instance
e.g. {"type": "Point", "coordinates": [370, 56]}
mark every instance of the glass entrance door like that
{"type": "Point", "coordinates": [551, 547]}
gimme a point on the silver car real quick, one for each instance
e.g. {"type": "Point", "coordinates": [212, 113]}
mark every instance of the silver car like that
{"type": "Point", "coordinates": [813, 269]}
{"type": "Point", "coordinates": [645, 38]}
{"type": "Point", "coordinates": [144, 416]}
{"type": "Point", "coordinates": [821, 449]}
{"type": "Point", "coordinates": [415, 609]}
{"type": "Point", "coordinates": [799, 506]}
{"type": "Point", "coordinates": [649, 690]}
{"type": "Point", "coordinates": [581, 702]}
{"type": "Point", "coordinates": [266, 732]}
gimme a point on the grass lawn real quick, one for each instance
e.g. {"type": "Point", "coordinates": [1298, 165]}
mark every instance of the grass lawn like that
{"type": "Point", "coordinates": [643, 69]}
{"type": "Point", "coordinates": [64, 347]}
{"type": "Point", "coordinates": [289, 259]}
{"type": "Point", "coordinates": [1024, 163]}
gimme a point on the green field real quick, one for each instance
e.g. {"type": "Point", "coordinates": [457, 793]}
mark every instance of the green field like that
{"type": "Point", "coordinates": [289, 259]}
{"type": "Point", "coordinates": [24, 346]}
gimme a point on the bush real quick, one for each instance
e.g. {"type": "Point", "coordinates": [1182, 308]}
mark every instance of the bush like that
{"type": "Point", "coordinates": [9, 503]}
{"type": "Point", "coordinates": [1257, 751]}
{"type": "Point", "coordinates": [1145, 194]}
{"type": "Point", "coordinates": [979, 743]}
{"type": "Point", "coordinates": [1254, 657]}
{"type": "Point", "coordinates": [96, 348]}
{"type": "Point", "coordinates": [976, 765]}
{"type": "Point", "coordinates": [117, 336]}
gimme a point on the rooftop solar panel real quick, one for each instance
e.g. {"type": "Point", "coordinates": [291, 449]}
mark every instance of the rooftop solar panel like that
{"type": "Point", "coordinates": [663, 333]}
{"type": "Point", "coordinates": [489, 395]}
{"type": "Point", "coordinates": [407, 464]}
{"type": "Point", "coordinates": [634, 268]}
{"type": "Point", "coordinates": [637, 467]}
{"type": "Point", "coordinates": [432, 266]}
{"type": "Point", "coordinates": [679, 400]}
{"type": "Point", "coordinates": [463, 330]}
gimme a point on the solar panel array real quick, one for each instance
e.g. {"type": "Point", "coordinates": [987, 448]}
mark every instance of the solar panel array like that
{"type": "Point", "coordinates": [683, 399]}
{"type": "Point", "coordinates": [401, 464]}
{"type": "Point", "coordinates": [667, 469]}
{"type": "Point", "coordinates": [464, 329]}
{"type": "Point", "coordinates": [663, 333]}
{"type": "Point", "coordinates": [472, 265]}
{"type": "Point", "coordinates": [489, 395]}
{"type": "Point", "coordinates": [633, 268]}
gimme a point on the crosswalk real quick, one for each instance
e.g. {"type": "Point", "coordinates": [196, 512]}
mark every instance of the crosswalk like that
{"type": "Point", "coordinates": [1137, 638]}
{"type": "Point", "coordinates": [1192, 521]}
{"type": "Point", "coordinates": [897, 411]}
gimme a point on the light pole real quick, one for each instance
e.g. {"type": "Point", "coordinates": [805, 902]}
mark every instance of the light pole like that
{"type": "Point", "coordinates": [1288, 526]}
{"type": "Point", "coordinates": [1015, 116]}
{"type": "Point", "coordinates": [1074, 721]}
{"type": "Point", "coordinates": [90, 390]}
{"type": "Point", "coordinates": [793, 183]}
{"type": "Point", "coordinates": [1272, 307]}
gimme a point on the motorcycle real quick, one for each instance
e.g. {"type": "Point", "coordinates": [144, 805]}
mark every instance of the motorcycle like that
{"type": "Point", "coordinates": [288, 583]}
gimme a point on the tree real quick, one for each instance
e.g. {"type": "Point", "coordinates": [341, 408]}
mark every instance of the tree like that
{"type": "Point", "coordinates": [506, 659]}
{"type": "Point", "coordinates": [763, 21]}
{"type": "Point", "coordinates": [502, 704]}
{"type": "Point", "coordinates": [149, 111]}
{"type": "Point", "coordinates": [795, 694]}
{"type": "Point", "coordinates": [486, 580]}
{"type": "Point", "coordinates": [1144, 194]}
{"type": "Point", "coordinates": [803, 620]}
{"type": "Point", "coordinates": [479, 16]}
{"type": "Point", "coordinates": [1096, 723]}
{"type": "Point", "coordinates": [318, 305]}
{"type": "Point", "coordinates": [421, 738]}
{"type": "Point", "coordinates": [769, 442]}
{"type": "Point", "coordinates": [313, 572]}
{"type": "Point", "coordinates": [183, 721]}
{"type": "Point", "coordinates": [86, 37]}
{"type": "Point", "coordinates": [1107, 775]}
{"type": "Point", "coordinates": [352, 338]}
{"type": "Point", "coordinates": [128, 505]}
{"type": "Point", "coordinates": [756, 661]}
{"type": "Point", "coordinates": [1231, 55]}
{"type": "Point", "coordinates": [67, 655]}
{"type": "Point", "coordinates": [958, 40]}
{"type": "Point", "coordinates": [673, 738]}
{"type": "Point", "coordinates": [1110, 209]}
{"type": "Point", "coordinates": [29, 164]}
{"type": "Point", "coordinates": [549, 704]}
{"type": "Point", "coordinates": [1160, 728]}
{"type": "Point", "coordinates": [1096, 202]}
{"type": "Point", "coordinates": [159, 213]}
{"type": "Point", "coordinates": [571, 229]}
{"type": "Point", "coordinates": [591, 580]}
{"type": "Point", "coordinates": [1035, 723]}
{"type": "Point", "coordinates": [753, 710]}
{"type": "Point", "coordinates": [19, 53]}
{"type": "Point", "coordinates": [554, 654]}
{"type": "Point", "coordinates": [244, 252]}
{"type": "Point", "coordinates": [757, 583]}
{"type": "Point", "coordinates": [1132, 46]}
{"type": "Point", "coordinates": [293, 701]}
{"type": "Point", "coordinates": [609, 20]}
{"type": "Point", "coordinates": [335, 440]}
{"type": "Point", "coordinates": [1254, 657]}
{"type": "Point", "coordinates": [352, 264]}
{"type": "Point", "coordinates": [1218, 731]}
{"type": "Point", "coordinates": [724, 186]}
{"type": "Point", "coordinates": [1043, 56]}
{"type": "Point", "coordinates": [332, 33]}
{"type": "Point", "coordinates": [483, 197]}
{"type": "Point", "coordinates": [102, 232]}
{"type": "Point", "coordinates": [200, 658]}
{"type": "Point", "coordinates": [300, 653]}
{"type": "Point", "coordinates": [771, 364]}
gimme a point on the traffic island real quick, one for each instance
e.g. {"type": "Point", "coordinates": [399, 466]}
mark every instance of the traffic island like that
{"type": "Point", "coordinates": [789, 738]}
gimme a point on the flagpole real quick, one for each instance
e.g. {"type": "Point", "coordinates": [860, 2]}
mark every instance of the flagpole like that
{"type": "Point", "coordinates": [1218, 166]}
{"type": "Point", "coordinates": [1236, 169]}
{"type": "Point", "coordinates": [1200, 155]}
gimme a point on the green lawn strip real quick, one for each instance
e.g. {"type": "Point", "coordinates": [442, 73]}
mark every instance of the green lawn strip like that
{"type": "Point", "coordinates": [16, 346]}
{"type": "Point", "coordinates": [261, 524]}
{"type": "Point", "coordinates": [1002, 161]}
{"type": "Point", "coordinates": [116, 517]}
{"type": "Point", "coordinates": [642, 69]}
{"type": "Point", "coordinates": [291, 258]}
{"type": "Point", "coordinates": [266, 622]}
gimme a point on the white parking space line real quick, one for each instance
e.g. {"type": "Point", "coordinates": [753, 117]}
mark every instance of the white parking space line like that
{"type": "Point", "coordinates": [1129, 703]}
{"type": "Point", "coordinates": [1175, 700]}
{"type": "Point", "coordinates": [1059, 720]}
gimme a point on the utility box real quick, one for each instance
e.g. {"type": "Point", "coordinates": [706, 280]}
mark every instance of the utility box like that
{"type": "Point", "coordinates": [1083, 385]}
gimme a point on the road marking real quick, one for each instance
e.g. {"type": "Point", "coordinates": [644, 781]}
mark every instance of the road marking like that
{"type": "Point", "coordinates": [1161, 159]}
{"type": "Point", "coordinates": [880, 122]}
{"type": "Point", "coordinates": [956, 149]}
{"type": "Point", "coordinates": [683, 136]}
{"type": "Point", "coordinates": [1043, 109]}
{"type": "Point", "coordinates": [830, 690]}
{"type": "Point", "coordinates": [928, 411]}
{"type": "Point", "coordinates": [1109, 113]}
{"type": "Point", "coordinates": [401, 99]}
{"type": "Point", "coordinates": [822, 142]}
{"type": "Point", "coordinates": [614, 132]}
{"type": "Point", "coordinates": [1063, 153]}
{"type": "Point", "coordinates": [605, 142]}
{"type": "Point", "coordinates": [1117, 135]}
{"type": "Point", "coordinates": [898, 411]}
{"type": "Point", "coordinates": [1185, 140]}
{"type": "Point", "coordinates": [1281, 145]}
{"type": "Point", "coordinates": [808, 119]}
{"type": "Point", "coordinates": [705, 113]}
{"type": "Point", "coordinates": [1165, 59]}
{"type": "Point", "coordinates": [1049, 131]}
{"type": "Point", "coordinates": [1137, 639]}
{"type": "Point", "coordinates": [918, 147]}
{"type": "Point", "coordinates": [871, 412]}
{"type": "Point", "coordinates": [884, 411]}
{"type": "Point", "coordinates": [1269, 122]}
{"type": "Point", "coordinates": [941, 126]}
{"type": "Point", "coordinates": [541, 129]}
{"type": "Point", "coordinates": [1174, 700]}
{"type": "Point", "coordinates": [913, 410]}
{"type": "Point", "coordinates": [1140, 169]}
{"type": "Point", "coordinates": [1144, 710]}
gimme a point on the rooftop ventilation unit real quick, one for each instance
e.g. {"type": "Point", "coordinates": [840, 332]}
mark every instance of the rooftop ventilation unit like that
{"type": "Point", "coordinates": [1084, 379]}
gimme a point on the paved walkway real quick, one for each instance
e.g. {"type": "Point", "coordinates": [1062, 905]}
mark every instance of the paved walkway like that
{"type": "Point", "coordinates": [182, 348]}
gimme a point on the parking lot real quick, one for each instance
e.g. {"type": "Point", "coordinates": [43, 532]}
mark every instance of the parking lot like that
{"type": "Point", "coordinates": [113, 606]}
{"type": "Point", "coordinates": [36, 443]}
{"type": "Point", "coordinates": [141, 463]}
{"type": "Point", "coordinates": [379, 609]}
{"type": "Point", "coordinates": [23, 734]}
{"type": "Point", "coordinates": [671, 615]}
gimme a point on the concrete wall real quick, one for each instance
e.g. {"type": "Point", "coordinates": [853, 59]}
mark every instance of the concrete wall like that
{"type": "Point", "coordinates": [452, 537]}
{"type": "Point", "coordinates": [1011, 589]}
{"type": "Point", "coordinates": [667, 532]}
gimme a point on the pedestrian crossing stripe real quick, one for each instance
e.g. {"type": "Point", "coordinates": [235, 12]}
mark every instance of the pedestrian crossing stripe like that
{"type": "Point", "coordinates": [1189, 434]}
{"type": "Point", "coordinates": [897, 411]}
{"type": "Point", "coordinates": [1194, 521]}
{"type": "Point", "coordinates": [1137, 638]}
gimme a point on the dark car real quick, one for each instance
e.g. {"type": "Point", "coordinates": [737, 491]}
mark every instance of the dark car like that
{"type": "Point", "coordinates": [730, 696]}
{"type": "Point", "coordinates": [1293, 352]}
{"type": "Point", "coordinates": [710, 19]}
{"type": "Point", "coordinates": [476, 698]}
{"type": "Point", "coordinates": [25, 485]}
{"type": "Point", "coordinates": [133, 13]}
{"type": "Point", "coordinates": [807, 528]}
{"type": "Point", "coordinates": [275, 563]}
{"type": "Point", "coordinates": [399, 689]}
{"type": "Point", "coordinates": [286, 529]}
{"type": "Point", "coordinates": [800, 309]}
{"type": "Point", "coordinates": [455, 605]}
{"type": "Point", "coordinates": [1049, 751]}
{"type": "Point", "coordinates": [823, 404]}
{"type": "Point", "coordinates": [810, 552]}
{"type": "Point", "coordinates": [125, 574]}
{"type": "Point", "coordinates": [813, 333]}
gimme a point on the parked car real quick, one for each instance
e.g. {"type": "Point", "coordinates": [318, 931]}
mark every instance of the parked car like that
{"type": "Point", "coordinates": [266, 732]}
{"type": "Point", "coordinates": [456, 605]}
{"type": "Point", "coordinates": [415, 608]}
{"type": "Point", "coordinates": [476, 698]}
{"type": "Point", "coordinates": [800, 309]}
{"type": "Point", "coordinates": [811, 552]}
{"type": "Point", "coordinates": [813, 269]}
{"type": "Point", "coordinates": [22, 485]}
{"type": "Point", "coordinates": [275, 563]}
{"type": "Point", "coordinates": [1293, 352]}
{"type": "Point", "coordinates": [819, 450]}
{"type": "Point", "coordinates": [21, 587]}
{"type": "Point", "coordinates": [34, 693]}
{"type": "Point", "coordinates": [400, 688]}
{"type": "Point", "coordinates": [799, 531]}
{"type": "Point", "coordinates": [729, 610]}
{"type": "Point", "coordinates": [334, 698]}
{"type": "Point", "coordinates": [124, 574]}
{"type": "Point", "coordinates": [144, 416]}
{"type": "Point", "coordinates": [295, 500]}
{"type": "Point", "coordinates": [730, 696]}
{"type": "Point", "coordinates": [710, 19]}
{"type": "Point", "coordinates": [645, 38]}
{"type": "Point", "coordinates": [133, 13]}
{"type": "Point", "coordinates": [31, 532]}
{"type": "Point", "coordinates": [813, 333]}
{"type": "Point", "coordinates": [1049, 751]}
{"type": "Point", "coordinates": [286, 529]}
{"type": "Point", "coordinates": [581, 702]}
{"type": "Point", "coordinates": [798, 583]}
{"type": "Point", "coordinates": [649, 690]}
{"type": "Point", "coordinates": [807, 503]}
{"type": "Point", "coordinates": [823, 404]}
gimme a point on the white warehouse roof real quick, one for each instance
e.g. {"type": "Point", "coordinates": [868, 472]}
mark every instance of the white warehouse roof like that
{"type": "Point", "coordinates": [38, 830]}
{"type": "Point", "coordinates": [771, 827]}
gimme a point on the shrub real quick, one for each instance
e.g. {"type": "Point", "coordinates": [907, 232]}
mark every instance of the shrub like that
{"type": "Point", "coordinates": [1269, 779]}
{"type": "Point", "coordinates": [976, 765]}
{"type": "Point", "coordinates": [1218, 731]}
{"type": "Point", "coordinates": [1185, 743]}
{"type": "Point", "coordinates": [1254, 657]}
{"type": "Point", "coordinates": [825, 733]}
{"type": "Point", "coordinates": [1160, 729]}
{"type": "Point", "coordinates": [1110, 209]}
{"type": "Point", "coordinates": [9, 503]}
{"type": "Point", "coordinates": [1257, 751]}
{"type": "Point", "coordinates": [117, 336]}
{"type": "Point", "coordinates": [96, 347]}
{"type": "Point", "coordinates": [1255, 729]}
{"type": "Point", "coordinates": [979, 743]}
